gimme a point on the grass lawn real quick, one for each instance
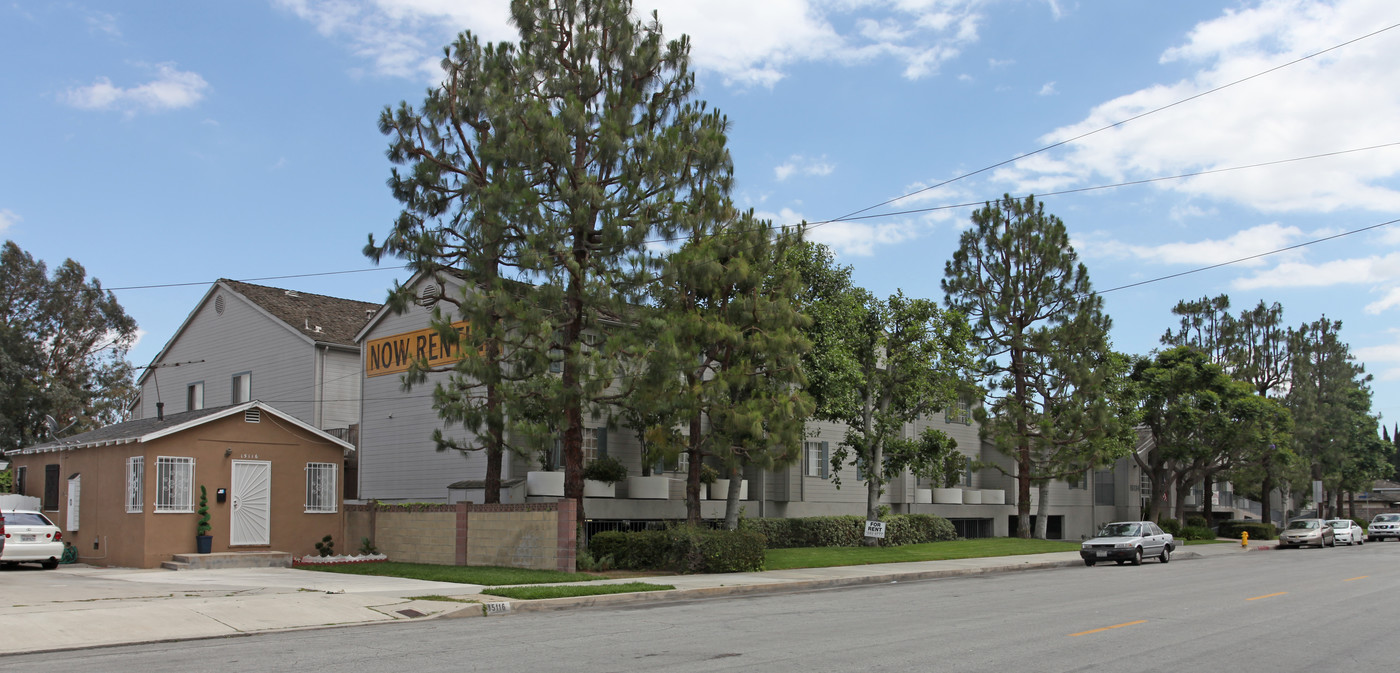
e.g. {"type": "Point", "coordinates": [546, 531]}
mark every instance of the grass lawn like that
{"type": "Point", "coordinates": [533, 593]}
{"type": "Point", "coordinates": [1191, 542]}
{"type": "Point", "coordinates": [488, 575]}
{"type": "Point", "coordinates": [825, 557]}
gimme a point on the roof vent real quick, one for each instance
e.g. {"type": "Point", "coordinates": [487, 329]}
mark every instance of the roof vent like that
{"type": "Point", "coordinates": [253, 415]}
{"type": "Point", "coordinates": [317, 329]}
{"type": "Point", "coordinates": [428, 295]}
{"type": "Point", "coordinates": [291, 293]}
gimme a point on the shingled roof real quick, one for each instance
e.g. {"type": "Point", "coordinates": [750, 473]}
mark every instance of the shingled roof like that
{"type": "Point", "coordinates": [321, 318]}
{"type": "Point", "coordinates": [144, 429]}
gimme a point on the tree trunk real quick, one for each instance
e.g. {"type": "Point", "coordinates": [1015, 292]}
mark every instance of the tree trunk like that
{"type": "Point", "coordinates": [1023, 490]}
{"type": "Point", "coordinates": [1042, 510]}
{"type": "Point", "coordinates": [1265, 489]}
{"type": "Point", "coordinates": [1179, 504]}
{"type": "Point", "coordinates": [692, 477]}
{"type": "Point", "coordinates": [1208, 500]}
{"type": "Point", "coordinates": [731, 500]}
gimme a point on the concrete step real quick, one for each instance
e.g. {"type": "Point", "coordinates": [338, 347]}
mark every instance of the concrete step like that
{"type": "Point", "coordinates": [235, 559]}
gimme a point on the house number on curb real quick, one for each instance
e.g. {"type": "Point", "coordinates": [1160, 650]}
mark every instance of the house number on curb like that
{"type": "Point", "coordinates": [497, 608]}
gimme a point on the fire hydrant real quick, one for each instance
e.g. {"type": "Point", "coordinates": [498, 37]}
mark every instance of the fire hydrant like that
{"type": "Point", "coordinates": [1244, 538]}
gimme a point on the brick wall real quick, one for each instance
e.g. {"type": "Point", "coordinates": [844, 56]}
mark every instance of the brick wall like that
{"type": "Point", "coordinates": [531, 535]}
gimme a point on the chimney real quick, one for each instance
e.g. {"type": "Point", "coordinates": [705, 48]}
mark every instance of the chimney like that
{"type": "Point", "coordinates": [160, 411]}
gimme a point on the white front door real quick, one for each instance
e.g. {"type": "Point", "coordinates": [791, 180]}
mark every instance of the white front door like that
{"type": "Point", "coordinates": [250, 520]}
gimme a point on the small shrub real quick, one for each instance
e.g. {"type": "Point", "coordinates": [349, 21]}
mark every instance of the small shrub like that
{"type": "Point", "coordinates": [606, 469]}
{"type": "Point", "coordinates": [708, 474]}
{"type": "Point", "coordinates": [326, 547]}
{"type": "Point", "coordinates": [367, 548]}
{"type": "Point", "coordinates": [203, 527]}
{"type": "Point", "coordinates": [1196, 533]}
{"type": "Point", "coordinates": [682, 549]}
{"type": "Point", "coordinates": [1170, 526]}
{"type": "Point", "coordinates": [1365, 525]}
{"type": "Point", "coordinates": [1257, 530]}
{"type": "Point", "coordinates": [1197, 522]}
{"type": "Point", "coordinates": [849, 531]}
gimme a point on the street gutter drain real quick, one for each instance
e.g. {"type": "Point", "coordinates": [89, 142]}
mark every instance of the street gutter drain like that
{"type": "Point", "coordinates": [410, 613]}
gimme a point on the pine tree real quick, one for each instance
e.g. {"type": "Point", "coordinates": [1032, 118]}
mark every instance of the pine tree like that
{"type": "Point", "coordinates": [1043, 342]}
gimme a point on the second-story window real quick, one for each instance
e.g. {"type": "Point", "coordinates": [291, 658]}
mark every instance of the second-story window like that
{"type": "Point", "coordinates": [194, 396]}
{"type": "Point", "coordinates": [242, 387]}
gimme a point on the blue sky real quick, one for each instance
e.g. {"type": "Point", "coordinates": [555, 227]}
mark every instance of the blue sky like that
{"type": "Point", "coordinates": [164, 143]}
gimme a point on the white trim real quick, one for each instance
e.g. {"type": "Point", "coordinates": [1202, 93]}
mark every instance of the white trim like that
{"type": "Point", "coordinates": [322, 472]}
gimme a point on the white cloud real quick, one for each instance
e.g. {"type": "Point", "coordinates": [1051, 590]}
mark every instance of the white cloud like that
{"type": "Point", "coordinates": [1382, 353]}
{"type": "Point", "coordinates": [1241, 244]}
{"type": "Point", "coordinates": [8, 219]}
{"type": "Point", "coordinates": [798, 164]}
{"type": "Point", "coordinates": [1389, 301]}
{"type": "Point", "coordinates": [103, 22]}
{"type": "Point", "coordinates": [1048, 89]}
{"type": "Point", "coordinates": [403, 37]}
{"type": "Point", "coordinates": [1352, 100]}
{"type": "Point", "coordinates": [1364, 270]}
{"type": "Point", "coordinates": [856, 239]}
{"type": "Point", "coordinates": [172, 89]}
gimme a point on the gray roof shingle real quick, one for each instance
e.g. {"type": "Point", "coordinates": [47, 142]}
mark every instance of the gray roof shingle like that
{"type": "Point", "coordinates": [337, 319]}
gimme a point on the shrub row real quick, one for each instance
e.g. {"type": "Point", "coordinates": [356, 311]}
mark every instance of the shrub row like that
{"type": "Point", "coordinates": [1257, 530]}
{"type": "Point", "coordinates": [1195, 533]}
{"type": "Point", "coordinates": [684, 549]}
{"type": "Point", "coordinates": [849, 531]}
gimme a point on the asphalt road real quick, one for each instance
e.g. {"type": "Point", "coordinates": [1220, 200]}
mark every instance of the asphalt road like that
{"type": "Point", "coordinates": [1296, 610]}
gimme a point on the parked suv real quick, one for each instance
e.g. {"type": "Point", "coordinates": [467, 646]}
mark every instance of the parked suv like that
{"type": "Point", "coordinates": [1384, 526]}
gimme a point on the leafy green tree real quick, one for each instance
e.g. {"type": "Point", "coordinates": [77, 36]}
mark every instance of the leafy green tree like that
{"type": "Point", "coordinates": [63, 345]}
{"type": "Point", "coordinates": [1043, 345]}
{"type": "Point", "coordinates": [727, 322]}
{"type": "Point", "coordinates": [561, 155]}
{"type": "Point", "coordinates": [912, 360]}
{"type": "Point", "coordinates": [460, 220]}
{"type": "Point", "coordinates": [1182, 397]}
{"type": "Point", "coordinates": [1325, 378]}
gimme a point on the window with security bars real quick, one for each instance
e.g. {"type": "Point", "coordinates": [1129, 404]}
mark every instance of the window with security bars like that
{"type": "Point", "coordinates": [174, 484]}
{"type": "Point", "coordinates": [135, 478]}
{"type": "Point", "coordinates": [320, 487]}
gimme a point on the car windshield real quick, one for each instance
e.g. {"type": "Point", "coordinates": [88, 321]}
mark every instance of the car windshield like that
{"type": "Point", "coordinates": [1302, 525]}
{"type": "Point", "coordinates": [1340, 524]}
{"type": "Point", "coordinates": [1120, 530]}
{"type": "Point", "coordinates": [25, 519]}
{"type": "Point", "coordinates": [1388, 518]}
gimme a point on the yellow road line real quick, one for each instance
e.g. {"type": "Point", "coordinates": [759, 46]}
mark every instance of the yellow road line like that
{"type": "Point", "coordinates": [1356, 578]}
{"type": "Point", "coordinates": [1266, 596]}
{"type": "Point", "coordinates": [1108, 628]}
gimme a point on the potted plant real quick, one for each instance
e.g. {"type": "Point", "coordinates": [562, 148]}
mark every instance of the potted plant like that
{"type": "Point", "coordinates": [708, 475]}
{"type": "Point", "coordinates": [204, 542]}
{"type": "Point", "coordinates": [601, 475]}
{"type": "Point", "coordinates": [720, 489]}
{"type": "Point", "coordinates": [548, 481]}
{"type": "Point", "coordinates": [950, 494]}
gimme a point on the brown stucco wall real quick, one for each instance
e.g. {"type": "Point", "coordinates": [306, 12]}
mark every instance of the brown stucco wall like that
{"type": "Point", "coordinates": [148, 538]}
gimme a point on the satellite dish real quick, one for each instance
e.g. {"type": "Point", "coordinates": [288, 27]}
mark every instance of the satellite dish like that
{"type": "Point", "coordinates": [52, 426]}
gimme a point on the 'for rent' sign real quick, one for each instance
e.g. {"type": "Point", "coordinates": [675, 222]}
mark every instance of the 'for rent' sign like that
{"type": "Point", "coordinates": [392, 354]}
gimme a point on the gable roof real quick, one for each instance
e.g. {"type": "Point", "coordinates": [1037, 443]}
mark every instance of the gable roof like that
{"type": "Point", "coordinates": [318, 317]}
{"type": "Point", "coordinates": [302, 313]}
{"type": "Point", "coordinates": [147, 429]}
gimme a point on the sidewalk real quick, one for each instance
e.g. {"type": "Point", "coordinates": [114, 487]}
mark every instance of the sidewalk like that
{"type": "Point", "coordinates": [83, 606]}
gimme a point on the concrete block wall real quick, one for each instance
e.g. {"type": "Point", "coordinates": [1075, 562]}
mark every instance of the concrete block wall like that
{"type": "Point", "coordinates": [531, 535]}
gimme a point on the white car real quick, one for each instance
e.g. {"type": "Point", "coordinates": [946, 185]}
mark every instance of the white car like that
{"type": "Point", "coordinates": [31, 538]}
{"type": "Point", "coordinates": [1384, 526]}
{"type": "Point", "coordinates": [1346, 530]}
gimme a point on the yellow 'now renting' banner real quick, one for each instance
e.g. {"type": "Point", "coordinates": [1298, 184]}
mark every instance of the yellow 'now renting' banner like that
{"type": "Point", "coordinates": [392, 354]}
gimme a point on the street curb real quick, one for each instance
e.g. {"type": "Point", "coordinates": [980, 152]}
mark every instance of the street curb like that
{"type": "Point", "coordinates": [797, 586]}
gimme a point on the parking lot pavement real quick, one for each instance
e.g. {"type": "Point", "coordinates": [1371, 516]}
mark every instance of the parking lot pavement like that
{"type": "Point", "coordinates": [84, 606]}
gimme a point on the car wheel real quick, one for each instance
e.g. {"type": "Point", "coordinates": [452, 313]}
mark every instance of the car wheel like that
{"type": "Point", "coordinates": [1331, 543]}
{"type": "Point", "coordinates": [1361, 541]}
{"type": "Point", "coordinates": [50, 564]}
{"type": "Point", "coordinates": [1166, 556]}
{"type": "Point", "coordinates": [1137, 556]}
{"type": "Point", "coordinates": [1089, 562]}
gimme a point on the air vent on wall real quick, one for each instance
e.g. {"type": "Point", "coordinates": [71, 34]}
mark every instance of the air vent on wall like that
{"type": "Point", "coordinates": [219, 304]}
{"type": "Point", "coordinates": [252, 416]}
{"type": "Point", "coordinates": [428, 295]}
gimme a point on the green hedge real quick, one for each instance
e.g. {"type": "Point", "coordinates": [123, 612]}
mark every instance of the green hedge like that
{"type": "Point", "coordinates": [849, 531]}
{"type": "Point", "coordinates": [1196, 533]}
{"type": "Point", "coordinates": [681, 549]}
{"type": "Point", "coordinates": [1257, 530]}
{"type": "Point", "coordinates": [1170, 525]}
